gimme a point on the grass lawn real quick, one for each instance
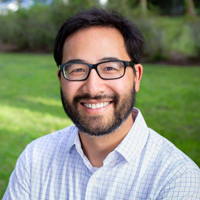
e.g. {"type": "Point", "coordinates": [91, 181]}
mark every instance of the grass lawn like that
{"type": "Point", "coordinates": [30, 105]}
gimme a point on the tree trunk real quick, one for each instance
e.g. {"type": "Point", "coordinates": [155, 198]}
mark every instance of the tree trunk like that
{"type": "Point", "coordinates": [65, 2]}
{"type": "Point", "coordinates": [143, 4]}
{"type": "Point", "coordinates": [190, 7]}
{"type": "Point", "coordinates": [123, 5]}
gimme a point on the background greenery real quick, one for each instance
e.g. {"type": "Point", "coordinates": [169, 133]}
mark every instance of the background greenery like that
{"type": "Point", "coordinates": [30, 105]}
{"type": "Point", "coordinates": [166, 37]}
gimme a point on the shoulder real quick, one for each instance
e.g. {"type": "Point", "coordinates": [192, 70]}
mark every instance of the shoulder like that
{"type": "Point", "coordinates": [167, 151]}
{"type": "Point", "coordinates": [46, 147]}
{"type": "Point", "coordinates": [168, 159]}
{"type": "Point", "coordinates": [38, 161]}
{"type": "Point", "coordinates": [174, 173]}
{"type": "Point", "coordinates": [55, 137]}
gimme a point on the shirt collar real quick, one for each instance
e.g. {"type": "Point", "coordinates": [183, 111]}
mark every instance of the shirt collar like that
{"type": "Point", "coordinates": [74, 141]}
{"type": "Point", "coordinates": [134, 142]}
{"type": "Point", "coordinates": [73, 138]}
{"type": "Point", "coordinates": [130, 147]}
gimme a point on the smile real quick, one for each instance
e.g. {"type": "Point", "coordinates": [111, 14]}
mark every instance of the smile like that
{"type": "Point", "coordinates": [95, 106]}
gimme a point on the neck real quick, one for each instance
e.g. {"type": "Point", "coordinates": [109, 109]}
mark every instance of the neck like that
{"type": "Point", "coordinates": [97, 148]}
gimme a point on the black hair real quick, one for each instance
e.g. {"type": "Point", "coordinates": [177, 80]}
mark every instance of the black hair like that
{"type": "Point", "coordinates": [133, 38]}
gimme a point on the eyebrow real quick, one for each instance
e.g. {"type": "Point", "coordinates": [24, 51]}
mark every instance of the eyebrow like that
{"type": "Point", "coordinates": [75, 60]}
{"type": "Point", "coordinates": [108, 59]}
{"type": "Point", "coordinates": [100, 60]}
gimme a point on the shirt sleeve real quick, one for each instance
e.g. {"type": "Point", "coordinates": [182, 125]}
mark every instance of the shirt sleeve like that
{"type": "Point", "coordinates": [184, 187]}
{"type": "Point", "coordinates": [19, 183]}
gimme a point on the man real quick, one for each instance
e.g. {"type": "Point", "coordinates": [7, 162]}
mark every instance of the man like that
{"type": "Point", "coordinates": [109, 153]}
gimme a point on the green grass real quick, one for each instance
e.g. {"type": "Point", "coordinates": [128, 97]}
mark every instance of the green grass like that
{"type": "Point", "coordinates": [30, 105]}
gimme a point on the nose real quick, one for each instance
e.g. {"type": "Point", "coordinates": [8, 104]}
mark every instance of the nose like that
{"type": "Point", "coordinates": [94, 85]}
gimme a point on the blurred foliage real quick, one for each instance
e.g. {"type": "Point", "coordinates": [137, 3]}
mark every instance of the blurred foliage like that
{"type": "Point", "coordinates": [167, 7]}
{"type": "Point", "coordinates": [194, 25]}
{"type": "Point", "coordinates": [35, 29]}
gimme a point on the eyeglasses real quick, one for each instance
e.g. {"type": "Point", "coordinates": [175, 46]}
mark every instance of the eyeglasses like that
{"type": "Point", "coordinates": [107, 70]}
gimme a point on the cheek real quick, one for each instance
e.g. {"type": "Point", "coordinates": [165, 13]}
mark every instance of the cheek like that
{"type": "Point", "coordinates": [125, 83]}
{"type": "Point", "coordinates": [70, 89]}
{"type": "Point", "coordinates": [121, 87]}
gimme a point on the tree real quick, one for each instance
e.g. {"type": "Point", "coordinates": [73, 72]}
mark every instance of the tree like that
{"type": "Point", "coordinates": [143, 4]}
{"type": "Point", "coordinates": [190, 7]}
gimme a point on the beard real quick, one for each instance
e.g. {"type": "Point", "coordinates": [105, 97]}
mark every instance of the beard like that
{"type": "Point", "coordinates": [104, 124]}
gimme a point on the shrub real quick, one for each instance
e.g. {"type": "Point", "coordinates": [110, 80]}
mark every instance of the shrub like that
{"type": "Point", "coordinates": [7, 27]}
{"type": "Point", "coordinates": [36, 28]}
{"type": "Point", "coordinates": [28, 29]}
{"type": "Point", "coordinates": [194, 27]}
{"type": "Point", "coordinates": [154, 38]}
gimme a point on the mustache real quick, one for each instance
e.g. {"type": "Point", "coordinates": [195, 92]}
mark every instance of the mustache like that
{"type": "Point", "coordinates": [88, 97]}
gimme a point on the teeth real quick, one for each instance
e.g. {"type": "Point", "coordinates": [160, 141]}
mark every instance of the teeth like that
{"type": "Point", "coordinates": [95, 106]}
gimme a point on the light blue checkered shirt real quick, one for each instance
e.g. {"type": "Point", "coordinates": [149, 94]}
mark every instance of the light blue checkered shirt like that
{"type": "Point", "coordinates": [144, 166]}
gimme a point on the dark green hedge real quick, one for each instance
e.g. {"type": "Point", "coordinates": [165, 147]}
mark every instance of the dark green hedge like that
{"type": "Point", "coordinates": [35, 29]}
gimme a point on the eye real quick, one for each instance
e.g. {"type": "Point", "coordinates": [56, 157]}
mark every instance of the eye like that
{"type": "Point", "coordinates": [109, 68]}
{"type": "Point", "coordinates": [77, 70]}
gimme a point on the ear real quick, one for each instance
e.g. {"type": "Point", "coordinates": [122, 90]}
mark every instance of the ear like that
{"type": "Point", "coordinates": [138, 77]}
{"type": "Point", "coordinates": [59, 75]}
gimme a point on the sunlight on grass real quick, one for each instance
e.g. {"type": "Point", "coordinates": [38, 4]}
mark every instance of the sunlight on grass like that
{"type": "Point", "coordinates": [50, 102]}
{"type": "Point", "coordinates": [34, 122]}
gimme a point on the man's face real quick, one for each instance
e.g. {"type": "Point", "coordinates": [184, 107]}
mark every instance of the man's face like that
{"type": "Point", "coordinates": [97, 106]}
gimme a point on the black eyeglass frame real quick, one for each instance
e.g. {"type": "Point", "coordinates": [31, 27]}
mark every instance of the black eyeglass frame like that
{"type": "Point", "coordinates": [94, 66]}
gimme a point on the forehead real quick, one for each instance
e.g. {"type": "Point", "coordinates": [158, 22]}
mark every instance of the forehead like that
{"type": "Point", "coordinates": [95, 42]}
{"type": "Point", "coordinates": [95, 31]}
